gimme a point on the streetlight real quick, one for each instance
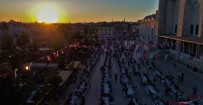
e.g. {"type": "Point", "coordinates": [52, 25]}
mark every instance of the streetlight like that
{"type": "Point", "coordinates": [27, 68]}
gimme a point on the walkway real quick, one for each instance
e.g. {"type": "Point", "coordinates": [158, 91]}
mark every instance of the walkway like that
{"type": "Point", "coordinates": [93, 95]}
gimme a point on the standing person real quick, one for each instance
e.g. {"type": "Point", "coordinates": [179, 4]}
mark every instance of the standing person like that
{"type": "Point", "coordinates": [166, 56]}
{"type": "Point", "coordinates": [116, 77]}
{"type": "Point", "coordinates": [182, 77]}
{"type": "Point", "coordinates": [83, 99]}
{"type": "Point", "coordinates": [179, 77]}
{"type": "Point", "coordinates": [195, 90]}
{"type": "Point", "coordinates": [158, 57]}
{"type": "Point", "coordinates": [174, 64]}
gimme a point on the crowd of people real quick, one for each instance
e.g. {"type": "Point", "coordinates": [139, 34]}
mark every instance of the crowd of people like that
{"type": "Point", "coordinates": [106, 97]}
{"type": "Point", "coordinates": [77, 96]}
{"type": "Point", "coordinates": [142, 69]}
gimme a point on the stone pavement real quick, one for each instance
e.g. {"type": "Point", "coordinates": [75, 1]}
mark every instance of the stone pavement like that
{"type": "Point", "coordinates": [92, 97]}
{"type": "Point", "coordinates": [93, 94]}
{"type": "Point", "coordinates": [191, 79]}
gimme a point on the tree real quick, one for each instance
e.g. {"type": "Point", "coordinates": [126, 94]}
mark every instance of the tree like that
{"type": "Point", "coordinates": [88, 41]}
{"type": "Point", "coordinates": [7, 41]}
{"type": "Point", "coordinates": [75, 37]}
{"type": "Point", "coordinates": [23, 39]}
{"type": "Point", "coordinates": [65, 30]}
{"type": "Point", "coordinates": [57, 41]}
{"type": "Point", "coordinates": [7, 87]}
{"type": "Point", "coordinates": [4, 26]}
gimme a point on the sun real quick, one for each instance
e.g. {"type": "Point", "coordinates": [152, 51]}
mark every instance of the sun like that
{"type": "Point", "coordinates": [47, 15]}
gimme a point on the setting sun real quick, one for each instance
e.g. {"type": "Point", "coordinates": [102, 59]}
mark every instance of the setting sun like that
{"type": "Point", "coordinates": [47, 15]}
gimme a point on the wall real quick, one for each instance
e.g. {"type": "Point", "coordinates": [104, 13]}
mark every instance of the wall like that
{"type": "Point", "coordinates": [106, 32]}
{"type": "Point", "coordinates": [191, 17]}
{"type": "Point", "coordinates": [148, 30]}
{"type": "Point", "coordinates": [168, 16]}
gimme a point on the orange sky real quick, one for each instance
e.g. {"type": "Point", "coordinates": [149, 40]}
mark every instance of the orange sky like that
{"type": "Point", "coordinates": [78, 10]}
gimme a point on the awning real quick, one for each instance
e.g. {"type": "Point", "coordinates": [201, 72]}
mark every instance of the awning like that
{"type": "Point", "coordinates": [69, 65]}
{"type": "Point", "coordinates": [64, 76]}
{"type": "Point", "coordinates": [76, 63]}
{"type": "Point", "coordinates": [73, 65]}
{"type": "Point", "coordinates": [44, 49]}
{"type": "Point", "coordinates": [51, 65]}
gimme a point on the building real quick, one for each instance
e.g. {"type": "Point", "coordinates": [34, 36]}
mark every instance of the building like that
{"type": "Point", "coordinates": [148, 29]}
{"type": "Point", "coordinates": [105, 31]}
{"type": "Point", "coordinates": [180, 26]}
{"type": "Point", "coordinates": [1, 29]}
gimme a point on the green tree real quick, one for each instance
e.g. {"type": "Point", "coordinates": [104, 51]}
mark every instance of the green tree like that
{"type": "Point", "coordinates": [65, 30]}
{"type": "Point", "coordinates": [58, 41]}
{"type": "Point", "coordinates": [4, 26]}
{"type": "Point", "coordinates": [75, 37]}
{"type": "Point", "coordinates": [23, 39]}
{"type": "Point", "coordinates": [7, 87]}
{"type": "Point", "coordinates": [7, 41]}
{"type": "Point", "coordinates": [88, 41]}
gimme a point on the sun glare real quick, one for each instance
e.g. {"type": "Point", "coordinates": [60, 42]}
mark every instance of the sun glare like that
{"type": "Point", "coordinates": [47, 15]}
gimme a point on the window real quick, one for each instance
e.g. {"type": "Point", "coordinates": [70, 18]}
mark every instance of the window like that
{"type": "Point", "coordinates": [196, 29]}
{"type": "Point", "coordinates": [105, 29]}
{"type": "Point", "coordinates": [109, 29]}
{"type": "Point", "coordinates": [176, 28]}
{"type": "Point", "coordinates": [191, 29]}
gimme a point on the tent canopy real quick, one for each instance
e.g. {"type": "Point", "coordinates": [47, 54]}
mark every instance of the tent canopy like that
{"type": "Point", "coordinates": [73, 65]}
{"type": "Point", "coordinates": [76, 63]}
{"type": "Point", "coordinates": [64, 75]}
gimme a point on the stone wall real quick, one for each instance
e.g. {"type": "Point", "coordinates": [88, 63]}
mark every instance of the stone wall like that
{"type": "Point", "coordinates": [191, 19]}
{"type": "Point", "coordinates": [148, 30]}
{"type": "Point", "coordinates": [168, 16]}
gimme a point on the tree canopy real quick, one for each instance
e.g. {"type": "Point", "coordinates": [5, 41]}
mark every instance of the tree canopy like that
{"type": "Point", "coordinates": [75, 37]}
{"type": "Point", "coordinates": [23, 39]}
{"type": "Point", "coordinates": [7, 41]}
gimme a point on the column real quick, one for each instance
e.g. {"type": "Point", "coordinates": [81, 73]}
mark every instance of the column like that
{"type": "Point", "coordinates": [189, 48]}
{"type": "Point", "coordinates": [198, 50]}
{"type": "Point", "coordinates": [200, 33]}
{"type": "Point", "coordinates": [183, 47]}
{"type": "Point", "coordinates": [181, 18]}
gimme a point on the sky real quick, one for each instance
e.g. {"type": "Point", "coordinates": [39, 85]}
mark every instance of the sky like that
{"type": "Point", "coordinates": [78, 10]}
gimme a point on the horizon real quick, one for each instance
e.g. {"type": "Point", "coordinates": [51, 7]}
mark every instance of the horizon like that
{"type": "Point", "coordinates": [69, 22]}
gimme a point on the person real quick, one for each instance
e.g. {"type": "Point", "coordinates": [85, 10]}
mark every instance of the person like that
{"type": "Point", "coordinates": [115, 77]}
{"type": "Point", "coordinates": [174, 65]}
{"type": "Point", "coordinates": [83, 99]}
{"type": "Point", "coordinates": [166, 56]}
{"type": "Point", "coordinates": [179, 77]}
{"type": "Point", "coordinates": [182, 77]}
{"type": "Point", "coordinates": [195, 90]}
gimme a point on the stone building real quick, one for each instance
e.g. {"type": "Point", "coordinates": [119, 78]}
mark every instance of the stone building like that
{"type": "Point", "coordinates": [105, 31]}
{"type": "Point", "coordinates": [180, 25]}
{"type": "Point", "coordinates": [148, 29]}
